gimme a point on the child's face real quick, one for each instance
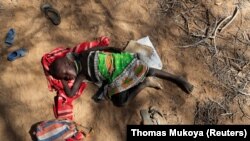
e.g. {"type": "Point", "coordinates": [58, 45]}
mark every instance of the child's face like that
{"type": "Point", "coordinates": [68, 73]}
{"type": "Point", "coordinates": [66, 70]}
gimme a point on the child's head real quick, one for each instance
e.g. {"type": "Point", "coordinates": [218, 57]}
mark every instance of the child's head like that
{"type": "Point", "coordinates": [63, 68]}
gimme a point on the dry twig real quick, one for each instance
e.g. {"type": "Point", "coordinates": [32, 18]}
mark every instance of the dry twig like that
{"type": "Point", "coordinates": [243, 93]}
{"type": "Point", "coordinates": [219, 27]}
{"type": "Point", "coordinates": [235, 13]}
{"type": "Point", "coordinates": [242, 111]}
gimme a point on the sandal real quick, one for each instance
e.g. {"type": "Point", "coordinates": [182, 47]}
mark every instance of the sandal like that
{"type": "Point", "coordinates": [152, 116]}
{"type": "Point", "coordinates": [10, 37]}
{"type": "Point", "coordinates": [51, 13]}
{"type": "Point", "coordinates": [16, 54]}
{"type": "Point", "coordinates": [156, 116]}
{"type": "Point", "coordinates": [146, 120]}
{"type": "Point", "coordinates": [84, 131]}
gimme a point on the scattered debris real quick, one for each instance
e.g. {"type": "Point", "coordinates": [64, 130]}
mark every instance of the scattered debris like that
{"type": "Point", "coordinates": [228, 63]}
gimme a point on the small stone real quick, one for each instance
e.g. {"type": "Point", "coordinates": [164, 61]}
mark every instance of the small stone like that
{"type": "Point", "coordinates": [218, 2]}
{"type": "Point", "coordinates": [240, 74]}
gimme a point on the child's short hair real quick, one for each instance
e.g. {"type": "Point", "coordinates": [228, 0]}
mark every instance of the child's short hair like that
{"type": "Point", "coordinates": [52, 68]}
{"type": "Point", "coordinates": [55, 66]}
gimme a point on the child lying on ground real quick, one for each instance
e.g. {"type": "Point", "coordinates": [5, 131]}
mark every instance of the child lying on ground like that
{"type": "Point", "coordinates": [122, 74]}
{"type": "Point", "coordinates": [63, 106]}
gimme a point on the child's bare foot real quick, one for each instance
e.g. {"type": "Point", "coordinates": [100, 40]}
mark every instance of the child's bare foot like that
{"type": "Point", "coordinates": [184, 85]}
{"type": "Point", "coordinates": [153, 83]}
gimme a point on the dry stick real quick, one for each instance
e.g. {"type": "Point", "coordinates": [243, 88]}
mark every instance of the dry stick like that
{"type": "Point", "coordinates": [186, 21]}
{"type": "Point", "coordinates": [226, 114]}
{"type": "Point", "coordinates": [246, 64]}
{"type": "Point", "coordinates": [170, 2]}
{"type": "Point", "coordinates": [235, 66]}
{"type": "Point", "coordinates": [220, 29]}
{"type": "Point", "coordinates": [247, 43]}
{"type": "Point", "coordinates": [216, 29]}
{"type": "Point", "coordinates": [208, 23]}
{"type": "Point", "coordinates": [197, 36]}
{"type": "Point", "coordinates": [182, 28]}
{"type": "Point", "coordinates": [241, 109]}
{"type": "Point", "coordinates": [206, 60]}
{"type": "Point", "coordinates": [202, 36]}
{"type": "Point", "coordinates": [164, 10]}
{"type": "Point", "coordinates": [243, 93]}
{"type": "Point", "coordinates": [189, 10]}
{"type": "Point", "coordinates": [173, 4]}
{"type": "Point", "coordinates": [245, 37]}
{"type": "Point", "coordinates": [195, 44]}
{"type": "Point", "coordinates": [215, 46]}
{"type": "Point", "coordinates": [217, 103]}
{"type": "Point", "coordinates": [235, 13]}
{"type": "Point", "coordinates": [214, 33]}
{"type": "Point", "coordinates": [206, 37]}
{"type": "Point", "coordinates": [169, 7]}
{"type": "Point", "coordinates": [206, 30]}
{"type": "Point", "coordinates": [185, 5]}
{"type": "Point", "coordinates": [231, 58]}
{"type": "Point", "coordinates": [245, 85]}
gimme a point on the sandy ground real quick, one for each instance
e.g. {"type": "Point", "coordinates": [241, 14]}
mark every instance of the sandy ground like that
{"type": "Point", "coordinates": [25, 98]}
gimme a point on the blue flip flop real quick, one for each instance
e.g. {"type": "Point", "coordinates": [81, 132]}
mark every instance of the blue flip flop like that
{"type": "Point", "coordinates": [10, 37]}
{"type": "Point", "coordinates": [17, 54]}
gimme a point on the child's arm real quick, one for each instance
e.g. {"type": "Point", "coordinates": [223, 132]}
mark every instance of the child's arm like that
{"type": "Point", "coordinates": [71, 92]}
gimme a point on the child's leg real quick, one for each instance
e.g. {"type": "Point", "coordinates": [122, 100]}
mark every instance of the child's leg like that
{"type": "Point", "coordinates": [182, 83]}
{"type": "Point", "coordinates": [125, 97]}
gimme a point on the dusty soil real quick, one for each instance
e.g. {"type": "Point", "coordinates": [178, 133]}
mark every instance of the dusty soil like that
{"type": "Point", "coordinates": [221, 80]}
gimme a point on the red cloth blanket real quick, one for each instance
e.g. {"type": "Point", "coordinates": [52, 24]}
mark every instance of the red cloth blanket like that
{"type": "Point", "coordinates": [63, 107]}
